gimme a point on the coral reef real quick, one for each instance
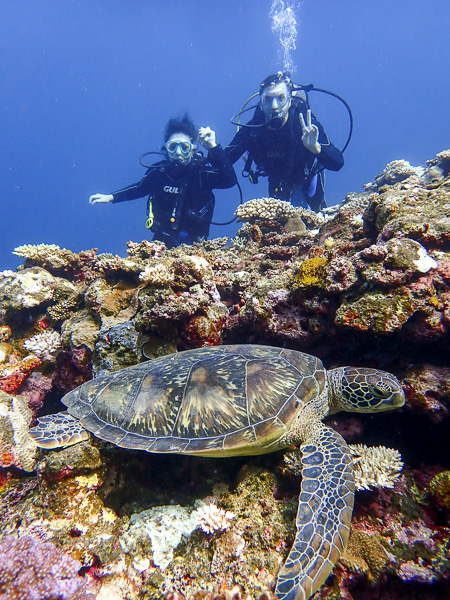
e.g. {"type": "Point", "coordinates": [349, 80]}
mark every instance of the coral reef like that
{"type": "Point", "coordinates": [365, 283]}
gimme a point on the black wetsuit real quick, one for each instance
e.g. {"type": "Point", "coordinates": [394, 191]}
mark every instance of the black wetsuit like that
{"type": "Point", "coordinates": [181, 196]}
{"type": "Point", "coordinates": [280, 155]}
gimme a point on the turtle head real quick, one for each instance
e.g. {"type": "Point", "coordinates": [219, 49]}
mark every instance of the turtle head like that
{"type": "Point", "coordinates": [363, 390]}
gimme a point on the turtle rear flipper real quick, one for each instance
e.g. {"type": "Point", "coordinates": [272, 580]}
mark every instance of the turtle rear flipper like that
{"type": "Point", "coordinates": [323, 517]}
{"type": "Point", "coordinates": [57, 431]}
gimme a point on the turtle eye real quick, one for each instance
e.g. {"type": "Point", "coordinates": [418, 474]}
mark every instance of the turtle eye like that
{"type": "Point", "coordinates": [380, 390]}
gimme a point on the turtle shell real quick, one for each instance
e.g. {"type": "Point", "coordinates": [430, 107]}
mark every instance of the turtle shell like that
{"type": "Point", "coordinates": [222, 400]}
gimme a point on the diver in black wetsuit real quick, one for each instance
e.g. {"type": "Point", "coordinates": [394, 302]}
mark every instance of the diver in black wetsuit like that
{"type": "Point", "coordinates": [287, 144]}
{"type": "Point", "coordinates": [181, 202]}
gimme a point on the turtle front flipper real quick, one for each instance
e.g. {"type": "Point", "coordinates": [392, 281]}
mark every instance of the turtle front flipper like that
{"type": "Point", "coordinates": [323, 517]}
{"type": "Point", "coordinates": [57, 431]}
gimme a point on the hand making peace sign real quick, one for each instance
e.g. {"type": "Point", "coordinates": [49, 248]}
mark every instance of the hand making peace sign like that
{"type": "Point", "coordinates": [310, 134]}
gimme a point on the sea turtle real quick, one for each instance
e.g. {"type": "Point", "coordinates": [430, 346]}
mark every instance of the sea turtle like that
{"type": "Point", "coordinates": [234, 401]}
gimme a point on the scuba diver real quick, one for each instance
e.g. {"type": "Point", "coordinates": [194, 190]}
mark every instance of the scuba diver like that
{"type": "Point", "coordinates": [287, 143]}
{"type": "Point", "coordinates": [181, 203]}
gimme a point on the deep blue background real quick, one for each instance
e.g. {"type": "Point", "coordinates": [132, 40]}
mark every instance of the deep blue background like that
{"type": "Point", "coordinates": [88, 85]}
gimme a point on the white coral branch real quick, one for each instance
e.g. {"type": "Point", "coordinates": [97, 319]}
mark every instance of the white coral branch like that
{"type": "Point", "coordinates": [44, 345]}
{"type": "Point", "coordinates": [375, 467]}
{"type": "Point", "coordinates": [212, 519]}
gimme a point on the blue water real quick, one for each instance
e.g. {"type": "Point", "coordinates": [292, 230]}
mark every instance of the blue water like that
{"type": "Point", "coordinates": [88, 85]}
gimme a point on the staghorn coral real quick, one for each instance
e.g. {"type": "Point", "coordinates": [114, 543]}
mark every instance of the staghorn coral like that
{"type": "Point", "coordinates": [265, 209]}
{"type": "Point", "coordinates": [63, 309]}
{"type": "Point", "coordinates": [44, 345]}
{"type": "Point", "coordinates": [212, 518]}
{"type": "Point", "coordinates": [30, 570]}
{"type": "Point", "coordinates": [375, 467]}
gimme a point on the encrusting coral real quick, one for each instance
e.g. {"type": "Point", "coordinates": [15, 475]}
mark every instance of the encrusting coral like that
{"type": "Point", "coordinates": [31, 570]}
{"type": "Point", "coordinates": [16, 446]}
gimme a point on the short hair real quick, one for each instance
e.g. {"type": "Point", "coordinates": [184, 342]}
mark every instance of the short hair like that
{"type": "Point", "coordinates": [180, 125]}
{"type": "Point", "coordinates": [274, 79]}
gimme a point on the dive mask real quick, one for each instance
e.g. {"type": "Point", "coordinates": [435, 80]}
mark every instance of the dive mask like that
{"type": "Point", "coordinates": [177, 148]}
{"type": "Point", "coordinates": [275, 103]}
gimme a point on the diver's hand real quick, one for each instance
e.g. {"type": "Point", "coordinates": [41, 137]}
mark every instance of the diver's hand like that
{"type": "Point", "coordinates": [207, 137]}
{"type": "Point", "coordinates": [100, 198]}
{"type": "Point", "coordinates": [310, 134]}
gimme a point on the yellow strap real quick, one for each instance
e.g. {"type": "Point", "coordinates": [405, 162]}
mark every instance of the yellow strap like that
{"type": "Point", "coordinates": [151, 217]}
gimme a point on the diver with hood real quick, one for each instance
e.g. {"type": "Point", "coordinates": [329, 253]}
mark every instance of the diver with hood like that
{"type": "Point", "coordinates": [287, 143]}
{"type": "Point", "coordinates": [181, 202]}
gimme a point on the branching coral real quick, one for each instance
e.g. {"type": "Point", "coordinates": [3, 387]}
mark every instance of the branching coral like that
{"type": "Point", "coordinates": [375, 467]}
{"type": "Point", "coordinates": [212, 518]}
{"type": "Point", "coordinates": [37, 252]}
{"type": "Point", "coordinates": [44, 345]}
{"type": "Point", "coordinates": [157, 274]}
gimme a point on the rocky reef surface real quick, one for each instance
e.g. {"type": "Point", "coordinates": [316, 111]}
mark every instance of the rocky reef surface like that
{"type": "Point", "coordinates": [365, 283]}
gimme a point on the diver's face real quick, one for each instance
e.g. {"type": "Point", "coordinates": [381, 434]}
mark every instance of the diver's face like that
{"type": "Point", "coordinates": [275, 103]}
{"type": "Point", "coordinates": [180, 147]}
